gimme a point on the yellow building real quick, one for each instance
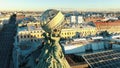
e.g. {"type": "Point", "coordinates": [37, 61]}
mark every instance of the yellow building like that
{"type": "Point", "coordinates": [37, 24]}
{"type": "Point", "coordinates": [31, 36]}
{"type": "Point", "coordinates": [29, 32]}
{"type": "Point", "coordinates": [67, 33]}
{"type": "Point", "coordinates": [78, 32]}
{"type": "Point", "coordinates": [87, 31]}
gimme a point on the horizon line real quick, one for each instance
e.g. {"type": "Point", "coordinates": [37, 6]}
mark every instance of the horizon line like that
{"type": "Point", "coordinates": [67, 9]}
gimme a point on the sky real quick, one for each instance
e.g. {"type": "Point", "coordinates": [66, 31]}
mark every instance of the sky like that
{"type": "Point", "coordinates": [58, 4]}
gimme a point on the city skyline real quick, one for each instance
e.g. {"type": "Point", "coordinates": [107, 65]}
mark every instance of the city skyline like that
{"type": "Point", "coordinates": [36, 5]}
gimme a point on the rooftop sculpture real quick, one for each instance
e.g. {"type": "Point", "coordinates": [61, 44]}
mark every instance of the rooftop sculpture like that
{"type": "Point", "coordinates": [52, 55]}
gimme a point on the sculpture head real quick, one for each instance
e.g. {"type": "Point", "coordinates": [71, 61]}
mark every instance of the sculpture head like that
{"type": "Point", "coordinates": [51, 19]}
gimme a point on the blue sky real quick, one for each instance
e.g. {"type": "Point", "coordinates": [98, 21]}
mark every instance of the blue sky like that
{"type": "Point", "coordinates": [70, 4]}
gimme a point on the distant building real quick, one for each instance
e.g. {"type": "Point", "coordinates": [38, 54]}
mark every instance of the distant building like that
{"type": "Point", "coordinates": [19, 17]}
{"type": "Point", "coordinates": [67, 20]}
{"type": "Point", "coordinates": [112, 26]}
{"type": "Point", "coordinates": [76, 19]}
{"type": "Point", "coordinates": [29, 32]}
{"type": "Point", "coordinates": [110, 18]}
{"type": "Point", "coordinates": [73, 19]}
{"type": "Point", "coordinates": [94, 19]}
{"type": "Point", "coordinates": [67, 33]}
{"type": "Point", "coordinates": [80, 19]}
{"type": "Point", "coordinates": [81, 31]}
{"type": "Point", "coordinates": [4, 19]}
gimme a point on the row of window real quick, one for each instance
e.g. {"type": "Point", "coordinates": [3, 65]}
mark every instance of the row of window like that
{"type": "Point", "coordinates": [31, 32]}
{"type": "Point", "coordinates": [30, 36]}
{"type": "Point", "coordinates": [35, 40]}
{"type": "Point", "coordinates": [68, 33]}
{"type": "Point", "coordinates": [36, 31]}
{"type": "Point", "coordinates": [32, 40]}
{"type": "Point", "coordinates": [72, 33]}
{"type": "Point", "coordinates": [88, 32]}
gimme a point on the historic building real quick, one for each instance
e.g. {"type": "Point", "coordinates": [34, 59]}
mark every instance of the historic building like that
{"type": "Point", "coordinates": [67, 33]}
{"type": "Point", "coordinates": [78, 32]}
{"type": "Point", "coordinates": [112, 26]}
{"type": "Point", "coordinates": [94, 19]}
{"type": "Point", "coordinates": [29, 32]}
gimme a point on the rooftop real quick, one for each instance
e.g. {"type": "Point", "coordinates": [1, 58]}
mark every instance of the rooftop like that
{"type": "Point", "coordinates": [110, 59]}
{"type": "Point", "coordinates": [108, 23]}
{"type": "Point", "coordinates": [28, 27]}
{"type": "Point", "coordinates": [82, 41]}
{"type": "Point", "coordinates": [82, 25]}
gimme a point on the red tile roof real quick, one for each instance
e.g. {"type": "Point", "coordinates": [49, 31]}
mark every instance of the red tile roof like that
{"type": "Point", "coordinates": [107, 23]}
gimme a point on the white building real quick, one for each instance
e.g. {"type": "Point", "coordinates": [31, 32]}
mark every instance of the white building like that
{"type": "Point", "coordinates": [80, 19]}
{"type": "Point", "coordinates": [73, 19]}
{"type": "Point", "coordinates": [76, 19]}
{"type": "Point", "coordinates": [110, 18]}
{"type": "Point", "coordinates": [4, 19]}
{"type": "Point", "coordinates": [83, 45]}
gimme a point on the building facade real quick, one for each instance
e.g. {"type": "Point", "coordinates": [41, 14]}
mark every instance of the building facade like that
{"type": "Point", "coordinates": [30, 32]}
{"type": "Point", "coordinates": [93, 19]}
{"type": "Point", "coordinates": [78, 32]}
{"type": "Point", "coordinates": [110, 26]}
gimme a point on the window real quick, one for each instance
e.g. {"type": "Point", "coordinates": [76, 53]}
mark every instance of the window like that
{"type": "Point", "coordinates": [67, 33]}
{"type": "Point", "coordinates": [31, 36]}
{"type": "Point", "coordinates": [21, 36]}
{"type": "Point", "coordinates": [35, 40]}
{"type": "Point", "coordinates": [31, 40]}
{"type": "Point", "coordinates": [37, 35]}
{"type": "Point", "coordinates": [28, 36]}
{"type": "Point", "coordinates": [36, 25]}
{"type": "Point", "coordinates": [24, 36]}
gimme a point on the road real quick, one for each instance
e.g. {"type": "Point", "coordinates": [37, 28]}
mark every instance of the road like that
{"type": "Point", "coordinates": [6, 45]}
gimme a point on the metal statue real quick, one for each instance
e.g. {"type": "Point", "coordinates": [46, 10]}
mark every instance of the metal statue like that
{"type": "Point", "coordinates": [52, 55]}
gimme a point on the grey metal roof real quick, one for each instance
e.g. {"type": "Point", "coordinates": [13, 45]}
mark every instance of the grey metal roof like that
{"type": "Point", "coordinates": [105, 59]}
